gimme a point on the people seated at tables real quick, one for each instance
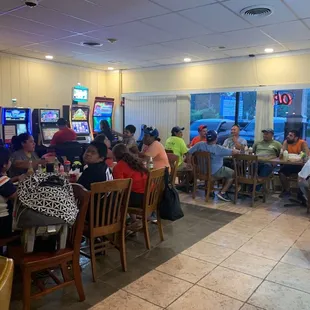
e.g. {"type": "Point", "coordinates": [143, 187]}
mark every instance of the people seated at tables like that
{"type": "Point", "coordinates": [64, 134]}
{"type": "Point", "coordinates": [268, 147]}
{"type": "Point", "coordinates": [106, 130]}
{"type": "Point", "coordinates": [202, 133]}
{"type": "Point", "coordinates": [176, 144]}
{"type": "Point", "coordinates": [129, 138]}
{"type": "Point", "coordinates": [7, 193]}
{"type": "Point", "coordinates": [153, 148]}
{"type": "Point", "coordinates": [24, 157]}
{"type": "Point", "coordinates": [218, 170]}
{"type": "Point", "coordinates": [97, 169]}
{"type": "Point", "coordinates": [235, 141]}
{"type": "Point", "coordinates": [130, 167]}
{"type": "Point", "coordinates": [304, 182]}
{"type": "Point", "coordinates": [294, 145]}
{"type": "Point", "coordinates": [103, 139]}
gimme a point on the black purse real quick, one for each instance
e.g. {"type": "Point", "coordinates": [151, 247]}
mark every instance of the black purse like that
{"type": "Point", "coordinates": [170, 206]}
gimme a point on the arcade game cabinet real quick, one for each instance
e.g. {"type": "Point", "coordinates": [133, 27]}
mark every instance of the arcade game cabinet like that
{"type": "Point", "coordinates": [44, 124]}
{"type": "Point", "coordinates": [14, 122]}
{"type": "Point", "coordinates": [102, 110]}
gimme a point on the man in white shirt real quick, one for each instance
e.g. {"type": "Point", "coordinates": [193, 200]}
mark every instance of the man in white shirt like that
{"type": "Point", "coordinates": [304, 181]}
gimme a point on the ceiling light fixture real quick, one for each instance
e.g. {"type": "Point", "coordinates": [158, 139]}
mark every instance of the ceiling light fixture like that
{"type": "Point", "coordinates": [269, 50]}
{"type": "Point", "coordinates": [110, 68]}
{"type": "Point", "coordinates": [187, 59]}
{"type": "Point", "coordinates": [49, 57]}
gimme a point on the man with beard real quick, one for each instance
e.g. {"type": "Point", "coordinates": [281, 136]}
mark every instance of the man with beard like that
{"type": "Point", "coordinates": [294, 145]}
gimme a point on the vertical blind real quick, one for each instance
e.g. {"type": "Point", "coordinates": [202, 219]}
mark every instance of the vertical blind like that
{"type": "Point", "coordinates": [156, 111]}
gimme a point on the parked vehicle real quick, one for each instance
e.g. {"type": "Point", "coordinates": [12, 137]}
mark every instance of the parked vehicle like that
{"type": "Point", "coordinates": [248, 132]}
{"type": "Point", "coordinates": [222, 126]}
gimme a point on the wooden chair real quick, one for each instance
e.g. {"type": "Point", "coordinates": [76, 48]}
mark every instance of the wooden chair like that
{"type": "Point", "coordinates": [246, 173]}
{"type": "Point", "coordinates": [173, 162]}
{"type": "Point", "coordinates": [201, 162]}
{"type": "Point", "coordinates": [107, 216]}
{"type": "Point", "coordinates": [152, 198]}
{"type": "Point", "coordinates": [35, 262]}
{"type": "Point", "coordinates": [6, 281]}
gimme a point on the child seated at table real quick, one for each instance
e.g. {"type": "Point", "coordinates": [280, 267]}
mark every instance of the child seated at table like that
{"type": "Point", "coordinates": [7, 193]}
{"type": "Point", "coordinates": [130, 167]}
{"type": "Point", "coordinates": [97, 169]}
{"type": "Point", "coordinates": [103, 139]}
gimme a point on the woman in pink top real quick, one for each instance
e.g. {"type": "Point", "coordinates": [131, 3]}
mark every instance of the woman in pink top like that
{"type": "Point", "coordinates": [152, 148]}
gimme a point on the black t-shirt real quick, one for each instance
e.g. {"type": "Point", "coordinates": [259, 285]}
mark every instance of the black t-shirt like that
{"type": "Point", "coordinates": [99, 172]}
{"type": "Point", "coordinates": [7, 189]}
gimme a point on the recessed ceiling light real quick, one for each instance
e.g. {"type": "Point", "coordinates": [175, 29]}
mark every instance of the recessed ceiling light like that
{"type": "Point", "coordinates": [187, 59]}
{"type": "Point", "coordinates": [268, 50]}
{"type": "Point", "coordinates": [49, 57]}
{"type": "Point", "coordinates": [110, 68]}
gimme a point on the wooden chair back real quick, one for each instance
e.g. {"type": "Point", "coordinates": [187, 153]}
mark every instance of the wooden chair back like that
{"type": "Point", "coordinates": [246, 168]}
{"type": "Point", "coordinates": [201, 162]}
{"type": "Point", "coordinates": [154, 190]}
{"type": "Point", "coordinates": [109, 205]}
{"type": "Point", "coordinates": [6, 281]}
{"type": "Point", "coordinates": [173, 162]}
{"type": "Point", "coordinates": [82, 197]}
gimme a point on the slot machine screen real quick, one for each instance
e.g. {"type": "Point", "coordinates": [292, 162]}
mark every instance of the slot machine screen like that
{"type": "Point", "coordinates": [79, 114]}
{"type": "Point", "coordinates": [48, 133]}
{"type": "Point", "coordinates": [49, 116]}
{"type": "Point", "coordinates": [80, 94]}
{"type": "Point", "coordinates": [80, 127]}
{"type": "Point", "coordinates": [15, 115]}
{"type": "Point", "coordinates": [21, 128]}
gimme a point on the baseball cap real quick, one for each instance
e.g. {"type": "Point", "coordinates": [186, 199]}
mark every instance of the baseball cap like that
{"type": "Point", "coordinates": [211, 135]}
{"type": "Point", "coordinates": [268, 130]}
{"type": "Point", "coordinates": [177, 129]}
{"type": "Point", "coordinates": [151, 131]}
{"type": "Point", "coordinates": [202, 127]}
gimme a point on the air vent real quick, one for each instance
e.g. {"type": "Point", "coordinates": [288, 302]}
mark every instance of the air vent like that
{"type": "Point", "coordinates": [257, 11]}
{"type": "Point", "coordinates": [91, 44]}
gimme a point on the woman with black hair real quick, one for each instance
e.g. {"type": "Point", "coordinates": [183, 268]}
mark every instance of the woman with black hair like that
{"type": "Point", "coordinates": [130, 167]}
{"type": "Point", "coordinates": [97, 169]}
{"type": "Point", "coordinates": [106, 130]}
{"type": "Point", "coordinates": [24, 153]}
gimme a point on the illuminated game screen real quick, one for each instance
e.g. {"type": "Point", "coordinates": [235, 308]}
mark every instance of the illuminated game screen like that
{"type": "Point", "coordinates": [48, 133]}
{"type": "Point", "coordinates": [80, 94]}
{"type": "Point", "coordinates": [79, 114]}
{"type": "Point", "coordinates": [49, 116]}
{"type": "Point", "coordinates": [15, 115]}
{"type": "Point", "coordinates": [21, 128]}
{"type": "Point", "coordinates": [80, 127]}
{"type": "Point", "coordinates": [102, 111]}
{"type": "Point", "coordinates": [97, 120]}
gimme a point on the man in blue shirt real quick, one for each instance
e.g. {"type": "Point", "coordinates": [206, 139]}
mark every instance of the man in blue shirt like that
{"type": "Point", "coordinates": [218, 170]}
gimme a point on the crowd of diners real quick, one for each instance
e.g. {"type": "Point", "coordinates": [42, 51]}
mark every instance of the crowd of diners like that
{"type": "Point", "coordinates": [128, 161]}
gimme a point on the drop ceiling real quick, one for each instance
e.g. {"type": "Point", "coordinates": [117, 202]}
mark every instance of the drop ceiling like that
{"type": "Point", "coordinates": [150, 32]}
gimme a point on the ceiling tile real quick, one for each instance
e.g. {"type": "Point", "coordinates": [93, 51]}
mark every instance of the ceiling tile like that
{"type": "Point", "coordinates": [258, 50]}
{"type": "Point", "coordinates": [281, 12]}
{"type": "Point", "coordinates": [286, 32]}
{"type": "Point", "coordinates": [107, 13]}
{"type": "Point", "coordinates": [300, 7]}
{"type": "Point", "coordinates": [298, 45]}
{"type": "Point", "coordinates": [55, 19]}
{"type": "Point", "coordinates": [176, 5]}
{"type": "Point", "coordinates": [188, 47]}
{"type": "Point", "coordinates": [235, 39]}
{"type": "Point", "coordinates": [8, 35]}
{"type": "Point", "coordinates": [33, 27]}
{"type": "Point", "coordinates": [173, 60]}
{"type": "Point", "coordinates": [216, 18]}
{"type": "Point", "coordinates": [177, 25]}
{"type": "Point", "coordinates": [7, 5]}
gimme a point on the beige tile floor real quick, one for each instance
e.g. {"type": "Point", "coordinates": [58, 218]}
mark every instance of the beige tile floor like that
{"type": "Point", "coordinates": [261, 260]}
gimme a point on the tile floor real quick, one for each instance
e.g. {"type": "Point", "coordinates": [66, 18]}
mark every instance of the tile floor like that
{"type": "Point", "coordinates": [258, 260]}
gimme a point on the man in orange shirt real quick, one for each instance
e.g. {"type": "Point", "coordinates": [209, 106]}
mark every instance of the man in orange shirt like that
{"type": "Point", "coordinates": [202, 130]}
{"type": "Point", "coordinates": [65, 134]}
{"type": "Point", "coordinates": [294, 145]}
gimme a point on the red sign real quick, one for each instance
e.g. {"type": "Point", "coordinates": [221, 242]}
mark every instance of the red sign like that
{"type": "Point", "coordinates": [283, 98]}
